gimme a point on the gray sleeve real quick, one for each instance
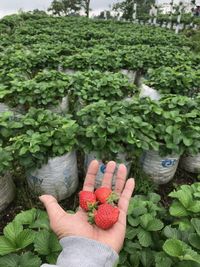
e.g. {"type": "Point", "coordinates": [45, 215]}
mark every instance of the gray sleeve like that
{"type": "Point", "coordinates": [84, 252]}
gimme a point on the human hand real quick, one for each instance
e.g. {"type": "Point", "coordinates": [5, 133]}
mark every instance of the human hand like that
{"type": "Point", "coordinates": [64, 224]}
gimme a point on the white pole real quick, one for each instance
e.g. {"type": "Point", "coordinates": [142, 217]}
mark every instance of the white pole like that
{"type": "Point", "coordinates": [150, 14]}
{"type": "Point", "coordinates": [179, 18]}
{"type": "Point", "coordinates": [134, 10]}
{"type": "Point", "coordinates": [171, 13]}
{"type": "Point", "coordinates": [193, 5]}
{"type": "Point", "coordinates": [155, 13]}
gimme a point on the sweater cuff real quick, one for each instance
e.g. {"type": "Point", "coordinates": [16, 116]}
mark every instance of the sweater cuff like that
{"type": "Point", "coordinates": [84, 252]}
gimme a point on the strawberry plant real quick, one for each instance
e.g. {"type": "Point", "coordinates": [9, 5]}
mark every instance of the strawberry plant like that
{"type": "Point", "coordinates": [108, 128]}
{"type": "Point", "coordinates": [28, 241]}
{"type": "Point", "coordinates": [9, 127]}
{"type": "Point", "coordinates": [44, 135]}
{"type": "Point", "coordinates": [180, 80]}
{"type": "Point", "coordinates": [142, 234]}
{"type": "Point", "coordinates": [185, 112]}
{"type": "Point", "coordinates": [156, 238]}
{"type": "Point", "coordinates": [46, 89]}
{"type": "Point", "coordinates": [184, 234]}
{"type": "Point", "coordinates": [175, 132]}
{"type": "Point", "coordinates": [186, 201]}
{"type": "Point", "coordinates": [92, 86]}
{"type": "Point", "coordinates": [104, 60]}
{"type": "Point", "coordinates": [6, 159]}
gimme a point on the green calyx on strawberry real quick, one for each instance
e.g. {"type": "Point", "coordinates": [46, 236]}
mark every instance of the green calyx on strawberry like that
{"type": "Point", "coordinates": [106, 216]}
{"type": "Point", "coordinates": [87, 200]}
{"type": "Point", "coordinates": [105, 195]}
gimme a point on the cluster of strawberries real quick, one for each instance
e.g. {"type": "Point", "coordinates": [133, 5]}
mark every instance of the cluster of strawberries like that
{"type": "Point", "coordinates": [100, 206]}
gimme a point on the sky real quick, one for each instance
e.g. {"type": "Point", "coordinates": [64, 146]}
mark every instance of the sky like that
{"type": "Point", "coordinates": [12, 6]}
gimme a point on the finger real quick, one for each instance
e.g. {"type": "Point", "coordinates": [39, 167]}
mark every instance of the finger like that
{"type": "Point", "coordinates": [124, 199]}
{"type": "Point", "coordinates": [108, 175]}
{"type": "Point", "coordinates": [120, 178]}
{"type": "Point", "coordinates": [54, 210]}
{"type": "Point", "coordinates": [90, 176]}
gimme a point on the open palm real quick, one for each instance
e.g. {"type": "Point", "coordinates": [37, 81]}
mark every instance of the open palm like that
{"type": "Point", "coordinates": [64, 224]}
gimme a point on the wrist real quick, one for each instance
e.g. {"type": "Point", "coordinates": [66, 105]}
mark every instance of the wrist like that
{"type": "Point", "coordinates": [88, 252]}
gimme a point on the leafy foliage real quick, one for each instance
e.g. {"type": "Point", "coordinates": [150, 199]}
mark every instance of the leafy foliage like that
{"type": "Point", "coordinates": [92, 86]}
{"type": "Point", "coordinates": [152, 241]}
{"type": "Point", "coordinates": [44, 135]}
{"type": "Point", "coordinates": [182, 80]}
{"type": "Point", "coordinates": [30, 237]}
{"type": "Point", "coordinates": [46, 89]}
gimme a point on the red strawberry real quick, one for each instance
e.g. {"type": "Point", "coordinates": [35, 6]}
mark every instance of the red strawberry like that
{"type": "Point", "coordinates": [87, 200]}
{"type": "Point", "coordinates": [104, 194]}
{"type": "Point", "coordinates": [106, 216]}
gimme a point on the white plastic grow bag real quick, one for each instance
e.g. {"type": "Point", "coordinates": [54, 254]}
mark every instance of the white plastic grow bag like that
{"type": "Point", "coordinates": [4, 108]}
{"type": "Point", "coordinates": [59, 177]}
{"type": "Point", "coordinates": [146, 91]}
{"type": "Point", "coordinates": [102, 167]}
{"type": "Point", "coordinates": [69, 71]}
{"type": "Point", "coordinates": [7, 191]}
{"type": "Point", "coordinates": [160, 169]}
{"type": "Point", "coordinates": [63, 106]}
{"type": "Point", "coordinates": [130, 74]}
{"type": "Point", "coordinates": [191, 163]}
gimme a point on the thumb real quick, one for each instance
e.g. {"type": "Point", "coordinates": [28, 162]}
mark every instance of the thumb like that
{"type": "Point", "coordinates": [54, 210]}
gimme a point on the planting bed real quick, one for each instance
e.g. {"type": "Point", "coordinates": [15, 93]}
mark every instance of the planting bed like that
{"type": "Point", "coordinates": [73, 89]}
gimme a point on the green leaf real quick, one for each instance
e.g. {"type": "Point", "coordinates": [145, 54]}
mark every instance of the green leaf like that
{"type": "Point", "coordinates": [145, 219]}
{"type": "Point", "coordinates": [6, 246]}
{"type": "Point", "coordinates": [162, 260]}
{"type": "Point", "coordinates": [25, 238]}
{"type": "Point", "coordinates": [194, 240]}
{"type": "Point", "coordinates": [149, 223]}
{"type": "Point", "coordinates": [12, 230]}
{"type": "Point", "coordinates": [181, 250]}
{"type": "Point", "coordinates": [29, 259]}
{"type": "Point", "coordinates": [133, 221]}
{"type": "Point", "coordinates": [194, 206]}
{"type": "Point", "coordinates": [188, 142]}
{"type": "Point", "coordinates": [135, 259]}
{"type": "Point", "coordinates": [174, 247]}
{"type": "Point", "coordinates": [41, 220]}
{"type": "Point", "coordinates": [184, 225]}
{"type": "Point", "coordinates": [155, 225]}
{"type": "Point", "coordinates": [10, 260]}
{"type": "Point", "coordinates": [46, 243]}
{"type": "Point", "coordinates": [191, 255]}
{"type": "Point", "coordinates": [184, 196]}
{"type": "Point", "coordinates": [41, 242]}
{"type": "Point", "coordinates": [147, 257]}
{"type": "Point", "coordinates": [26, 259]}
{"type": "Point", "coordinates": [170, 232]}
{"type": "Point", "coordinates": [131, 245]}
{"type": "Point", "coordinates": [155, 198]}
{"type": "Point", "coordinates": [196, 224]}
{"type": "Point", "coordinates": [144, 238]}
{"type": "Point", "coordinates": [26, 217]}
{"type": "Point", "coordinates": [131, 232]}
{"type": "Point", "coordinates": [52, 258]}
{"type": "Point", "coordinates": [178, 210]}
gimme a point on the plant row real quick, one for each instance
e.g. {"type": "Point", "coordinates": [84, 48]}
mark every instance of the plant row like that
{"type": "Point", "coordinates": [48, 88]}
{"type": "Point", "coordinates": [170, 126]}
{"type": "Point", "coordinates": [100, 57]}
{"type": "Point", "coordinates": [85, 33]}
